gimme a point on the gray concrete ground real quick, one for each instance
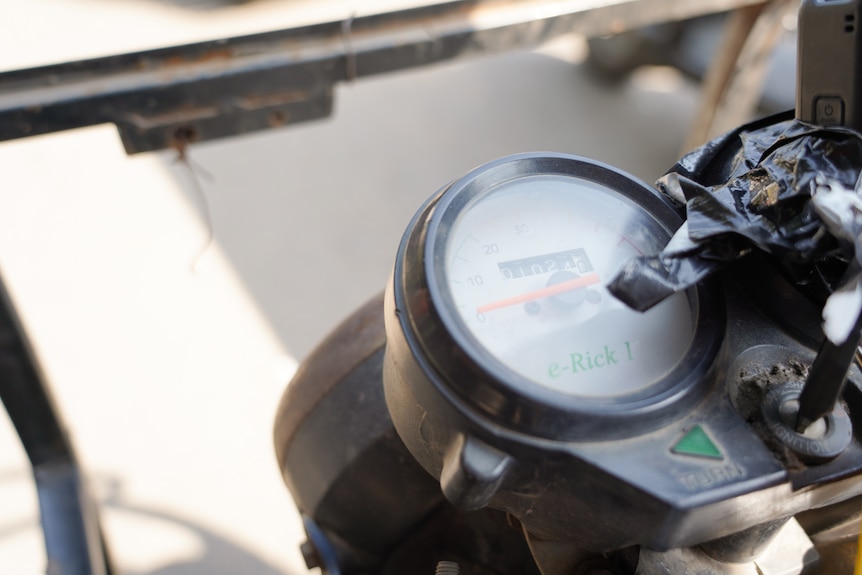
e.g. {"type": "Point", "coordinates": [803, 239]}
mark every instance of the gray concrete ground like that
{"type": "Point", "coordinates": [169, 363]}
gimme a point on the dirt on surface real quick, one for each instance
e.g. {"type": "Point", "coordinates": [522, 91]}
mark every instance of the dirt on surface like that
{"type": "Point", "coordinates": [749, 392]}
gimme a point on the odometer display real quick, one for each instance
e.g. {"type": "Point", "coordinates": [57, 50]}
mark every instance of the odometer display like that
{"type": "Point", "coordinates": [570, 260]}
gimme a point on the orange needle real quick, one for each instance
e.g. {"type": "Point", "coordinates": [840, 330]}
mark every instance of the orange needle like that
{"type": "Point", "coordinates": [555, 289]}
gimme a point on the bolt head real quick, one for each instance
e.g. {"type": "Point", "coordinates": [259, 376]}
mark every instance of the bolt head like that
{"type": "Point", "coordinates": [310, 555]}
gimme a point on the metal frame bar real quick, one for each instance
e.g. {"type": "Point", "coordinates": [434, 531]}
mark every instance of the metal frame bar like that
{"type": "Point", "coordinates": [170, 97]}
{"type": "Point", "coordinates": [73, 538]}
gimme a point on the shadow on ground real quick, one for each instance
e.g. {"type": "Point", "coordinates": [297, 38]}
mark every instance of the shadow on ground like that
{"type": "Point", "coordinates": [213, 553]}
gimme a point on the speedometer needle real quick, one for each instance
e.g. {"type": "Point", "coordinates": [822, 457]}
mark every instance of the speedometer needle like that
{"type": "Point", "coordinates": [555, 289]}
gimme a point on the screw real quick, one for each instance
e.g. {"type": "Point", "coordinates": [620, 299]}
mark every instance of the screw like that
{"type": "Point", "coordinates": [447, 568]}
{"type": "Point", "coordinates": [309, 553]}
{"type": "Point", "coordinates": [598, 566]}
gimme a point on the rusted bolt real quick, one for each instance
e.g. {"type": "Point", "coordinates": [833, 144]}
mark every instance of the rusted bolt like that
{"type": "Point", "coordinates": [278, 119]}
{"type": "Point", "coordinates": [185, 135]}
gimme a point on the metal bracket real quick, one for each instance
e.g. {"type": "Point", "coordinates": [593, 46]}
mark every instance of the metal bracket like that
{"type": "Point", "coordinates": [173, 96]}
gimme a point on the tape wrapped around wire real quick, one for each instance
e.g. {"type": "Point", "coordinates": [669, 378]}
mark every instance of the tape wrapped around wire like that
{"type": "Point", "coordinates": [781, 186]}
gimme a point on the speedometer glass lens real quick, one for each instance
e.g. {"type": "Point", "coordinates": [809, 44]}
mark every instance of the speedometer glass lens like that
{"type": "Point", "coordinates": [526, 264]}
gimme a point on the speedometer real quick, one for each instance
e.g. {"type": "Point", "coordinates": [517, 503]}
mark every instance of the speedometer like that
{"type": "Point", "coordinates": [499, 295]}
{"type": "Point", "coordinates": [526, 264]}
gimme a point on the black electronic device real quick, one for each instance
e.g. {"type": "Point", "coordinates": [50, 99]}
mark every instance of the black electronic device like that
{"type": "Point", "coordinates": [829, 63]}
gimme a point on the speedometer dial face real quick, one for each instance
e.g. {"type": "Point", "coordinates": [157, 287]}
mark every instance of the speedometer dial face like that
{"type": "Point", "coordinates": [525, 267]}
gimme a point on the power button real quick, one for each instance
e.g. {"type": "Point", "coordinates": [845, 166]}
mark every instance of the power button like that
{"type": "Point", "coordinates": [829, 111]}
